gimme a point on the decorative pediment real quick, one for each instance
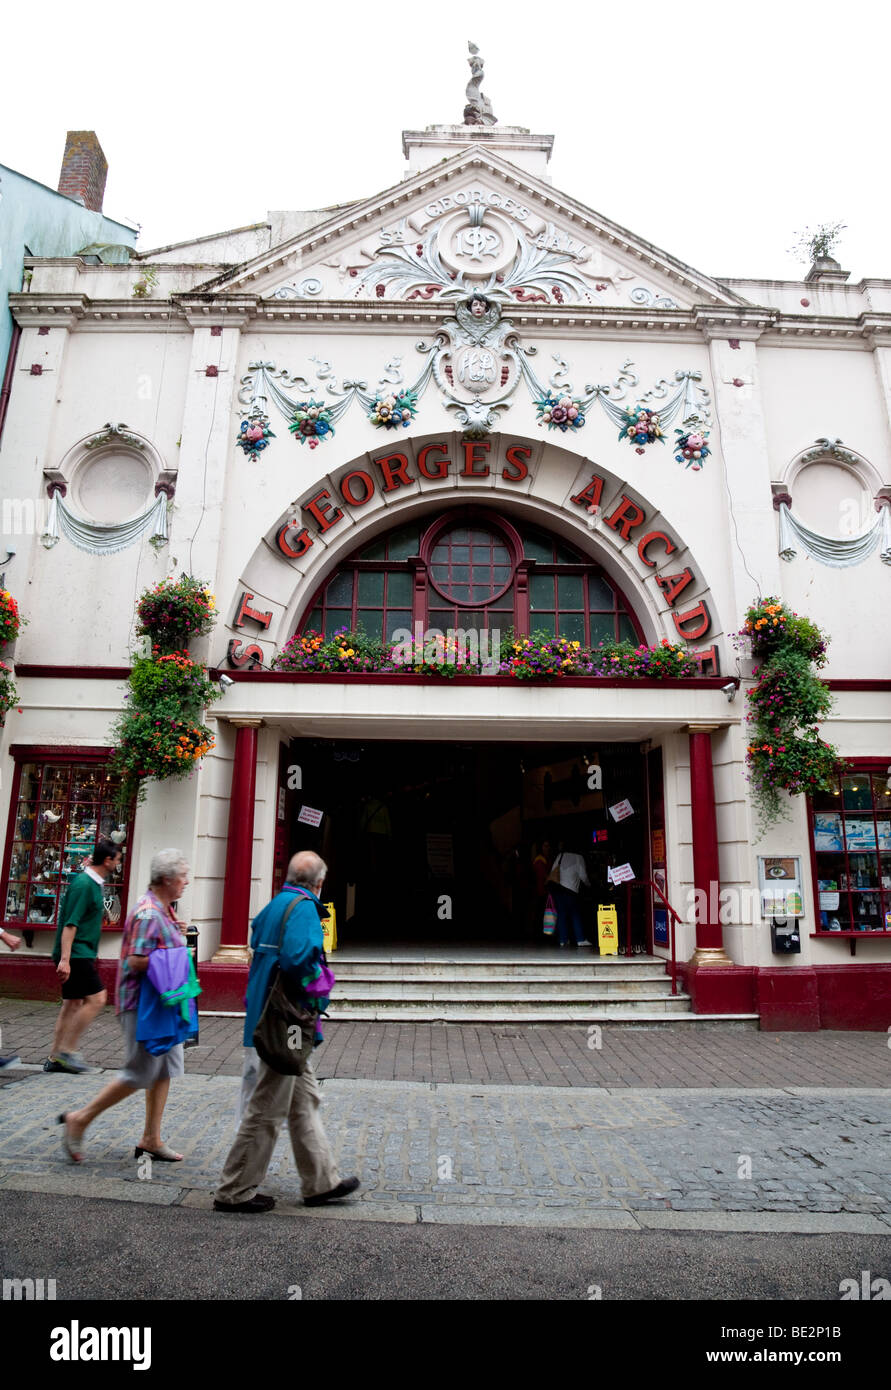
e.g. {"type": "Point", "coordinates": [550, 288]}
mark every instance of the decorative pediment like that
{"type": "Point", "coordinates": [474, 224]}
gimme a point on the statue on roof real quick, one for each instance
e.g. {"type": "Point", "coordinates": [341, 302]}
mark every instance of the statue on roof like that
{"type": "Point", "coordinates": [478, 110]}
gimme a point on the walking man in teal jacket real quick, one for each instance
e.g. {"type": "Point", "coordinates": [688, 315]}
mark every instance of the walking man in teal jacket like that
{"type": "Point", "coordinates": [277, 1096]}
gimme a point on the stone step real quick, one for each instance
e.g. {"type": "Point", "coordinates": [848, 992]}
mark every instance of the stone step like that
{"type": "Point", "coordinates": [567, 968]}
{"type": "Point", "coordinates": [556, 1006]}
{"type": "Point", "coordinates": [627, 1018]}
{"type": "Point", "coordinates": [494, 986]}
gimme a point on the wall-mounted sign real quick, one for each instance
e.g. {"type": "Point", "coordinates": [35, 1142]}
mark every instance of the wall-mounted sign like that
{"type": "Point", "coordinates": [309, 816]}
{"type": "Point", "coordinates": [621, 811]}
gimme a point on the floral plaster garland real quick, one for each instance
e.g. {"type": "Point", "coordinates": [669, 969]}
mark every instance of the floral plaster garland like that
{"type": "Point", "coordinates": [479, 353]}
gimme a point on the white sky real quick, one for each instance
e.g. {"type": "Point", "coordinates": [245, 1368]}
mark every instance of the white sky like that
{"type": "Point", "coordinates": [714, 129]}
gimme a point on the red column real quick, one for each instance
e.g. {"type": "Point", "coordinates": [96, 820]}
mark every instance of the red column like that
{"type": "Point", "coordinates": [239, 847]}
{"type": "Point", "coordinates": [706, 879]}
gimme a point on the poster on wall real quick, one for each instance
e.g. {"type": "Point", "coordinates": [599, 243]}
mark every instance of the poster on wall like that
{"type": "Point", "coordinates": [827, 832]}
{"type": "Point", "coordinates": [621, 811]}
{"type": "Point", "coordinates": [310, 816]}
{"type": "Point", "coordinates": [658, 846]}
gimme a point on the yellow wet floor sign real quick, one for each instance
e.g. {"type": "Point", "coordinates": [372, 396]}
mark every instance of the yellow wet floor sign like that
{"type": "Point", "coordinates": [607, 930]}
{"type": "Point", "coordinates": [329, 929]}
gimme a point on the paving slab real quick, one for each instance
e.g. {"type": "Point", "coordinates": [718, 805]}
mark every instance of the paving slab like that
{"type": "Point", "coordinates": [500, 1154]}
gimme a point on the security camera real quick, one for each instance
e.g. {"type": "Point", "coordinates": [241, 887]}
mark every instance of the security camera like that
{"type": "Point", "coordinates": [225, 682]}
{"type": "Point", "coordinates": [729, 690]}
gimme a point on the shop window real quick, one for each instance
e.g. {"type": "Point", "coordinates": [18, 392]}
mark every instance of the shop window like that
{"type": "Point", "coordinates": [59, 810]}
{"type": "Point", "coordinates": [851, 837]}
{"type": "Point", "coordinates": [461, 572]}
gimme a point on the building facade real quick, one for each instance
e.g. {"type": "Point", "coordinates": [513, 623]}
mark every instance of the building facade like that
{"type": "Point", "coordinates": [239, 413]}
{"type": "Point", "coordinates": [45, 222]}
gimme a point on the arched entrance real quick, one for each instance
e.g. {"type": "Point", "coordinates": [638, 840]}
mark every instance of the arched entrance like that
{"type": "Point", "coordinates": [462, 783]}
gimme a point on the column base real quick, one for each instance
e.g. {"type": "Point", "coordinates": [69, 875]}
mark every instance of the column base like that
{"type": "Point", "coordinates": [708, 955]}
{"type": "Point", "coordinates": [231, 955]}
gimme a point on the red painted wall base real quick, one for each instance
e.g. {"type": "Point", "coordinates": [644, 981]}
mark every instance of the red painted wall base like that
{"type": "Point", "coordinates": [788, 999]}
{"type": "Point", "coordinates": [34, 977]}
{"type": "Point", "coordinates": [791, 999]}
{"type": "Point", "coordinates": [721, 989]}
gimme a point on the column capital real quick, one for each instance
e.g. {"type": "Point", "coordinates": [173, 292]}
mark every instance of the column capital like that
{"type": "Point", "coordinates": [703, 728]}
{"type": "Point", "coordinates": [243, 723]}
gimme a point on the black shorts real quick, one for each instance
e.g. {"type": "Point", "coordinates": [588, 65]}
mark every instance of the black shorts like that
{"type": "Point", "coordinates": [83, 981]}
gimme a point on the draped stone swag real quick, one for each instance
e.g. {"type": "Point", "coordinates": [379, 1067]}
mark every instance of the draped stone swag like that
{"type": "Point", "coordinates": [104, 540]}
{"type": "Point", "coordinates": [837, 552]}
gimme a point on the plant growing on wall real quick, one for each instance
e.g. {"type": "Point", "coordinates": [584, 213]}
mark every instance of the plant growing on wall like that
{"type": "Point", "coordinates": [817, 243]}
{"type": "Point", "coordinates": [785, 751]}
{"type": "Point", "coordinates": [160, 734]}
{"type": "Point", "coordinates": [175, 612]}
{"type": "Point", "coordinates": [146, 283]}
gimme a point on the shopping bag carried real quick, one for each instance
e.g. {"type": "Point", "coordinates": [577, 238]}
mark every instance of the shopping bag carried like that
{"type": "Point", "coordinates": [550, 916]}
{"type": "Point", "coordinates": [167, 1013]}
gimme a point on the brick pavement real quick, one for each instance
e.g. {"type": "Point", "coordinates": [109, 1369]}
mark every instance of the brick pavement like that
{"type": "Point", "coordinates": [546, 1055]}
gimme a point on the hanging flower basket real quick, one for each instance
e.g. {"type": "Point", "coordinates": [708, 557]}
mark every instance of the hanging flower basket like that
{"type": "Point", "coordinates": [640, 427]}
{"type": "Point", "coordinates": [391, 412]}
{"type": "Point", "coordinates": [10, 619]}
{"type": "Point", "coordinates": [785, 752]}
{"type": "Point", "coordinates": [8, 693]}
{"type": "Point", "coordinates": [175, 612]}
{"type": "Point", "coordinates": [157, 749]}
{"type": "Point", "coordinates": [311, 423]}
{"type": "Point", "coordinates": [562, 413]}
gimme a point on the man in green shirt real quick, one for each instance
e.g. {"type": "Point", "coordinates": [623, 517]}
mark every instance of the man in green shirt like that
{"type": "Point", "coordinates": [75, 951]}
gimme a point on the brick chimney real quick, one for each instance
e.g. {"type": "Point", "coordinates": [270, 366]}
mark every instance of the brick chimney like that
{"type": "Point", "coordinates": [84, 169]}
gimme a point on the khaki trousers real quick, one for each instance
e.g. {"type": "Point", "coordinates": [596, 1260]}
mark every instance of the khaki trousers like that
{"type": "Point", "coordinates": [275, 1099]}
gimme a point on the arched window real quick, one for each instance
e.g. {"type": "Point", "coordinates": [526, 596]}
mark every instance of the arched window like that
{"type": "Point", "coordinates": [471, 568]}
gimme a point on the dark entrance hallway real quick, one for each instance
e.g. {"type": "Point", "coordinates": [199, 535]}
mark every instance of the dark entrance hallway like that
{"type": "Point", "coordinates": [434, 842]}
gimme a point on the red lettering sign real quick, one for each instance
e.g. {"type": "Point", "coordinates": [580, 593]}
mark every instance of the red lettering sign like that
{"type": "Point", "coordinates": [701, 613]}
{"type": "Point", "coordinates": [393, 468]}
{"type": "Point", "coordinates": [293, 542]}
{"type": "Point", "coordinates": [674, 584]}
{"type": "Point", "coordinates": [318, 509]}
{"type": "Point", "coordinates": [237, 655]}
{"type": "Point", "coordinates": [245, 611]}
{"type": "Point", "coordinates": [512, 456]}
{"type": "Point", "coordinates": [646, 540]}
{"type": "Point", "coordinates": [709, 661]}
{"type": "Point", "coordinates": [626, 516]}
{"type": "Point", "coordinates": [471, 456]}
{"type": "Point", "coordinates": [346, 489]}
{"type": "Point", "coordinates": [442, 464]}
{"type": "Point", "coordinates": [591, 495]}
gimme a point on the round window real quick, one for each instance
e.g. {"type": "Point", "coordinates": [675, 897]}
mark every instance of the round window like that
{"type": "Point", "coordinates": [469, 565]}
{"type": "Point", "coordinates": [113, 485]}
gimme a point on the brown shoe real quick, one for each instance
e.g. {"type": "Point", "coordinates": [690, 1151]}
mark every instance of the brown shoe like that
{"type": "Point", "coordinates": [343, 1189]}
{"type": "Point", "coordinates": [259, 1202]}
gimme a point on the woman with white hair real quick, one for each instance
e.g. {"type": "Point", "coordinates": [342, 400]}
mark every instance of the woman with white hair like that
{"type": "Point", "coordinates": [150, 926]}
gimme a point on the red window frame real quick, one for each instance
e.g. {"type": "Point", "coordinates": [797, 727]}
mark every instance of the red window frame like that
{"type": "Point", "coordinates": [876, 768]}
{"type": "Point", "coordinates": [427, 596]}
{"type": "Point", "coordinates": [24, 754]}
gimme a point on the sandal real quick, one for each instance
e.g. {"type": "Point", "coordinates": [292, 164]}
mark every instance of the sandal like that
{"type": "Point", "coordinates": [74, 1155]}
{"type": "Point", "coordinates": [164, 1154]}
